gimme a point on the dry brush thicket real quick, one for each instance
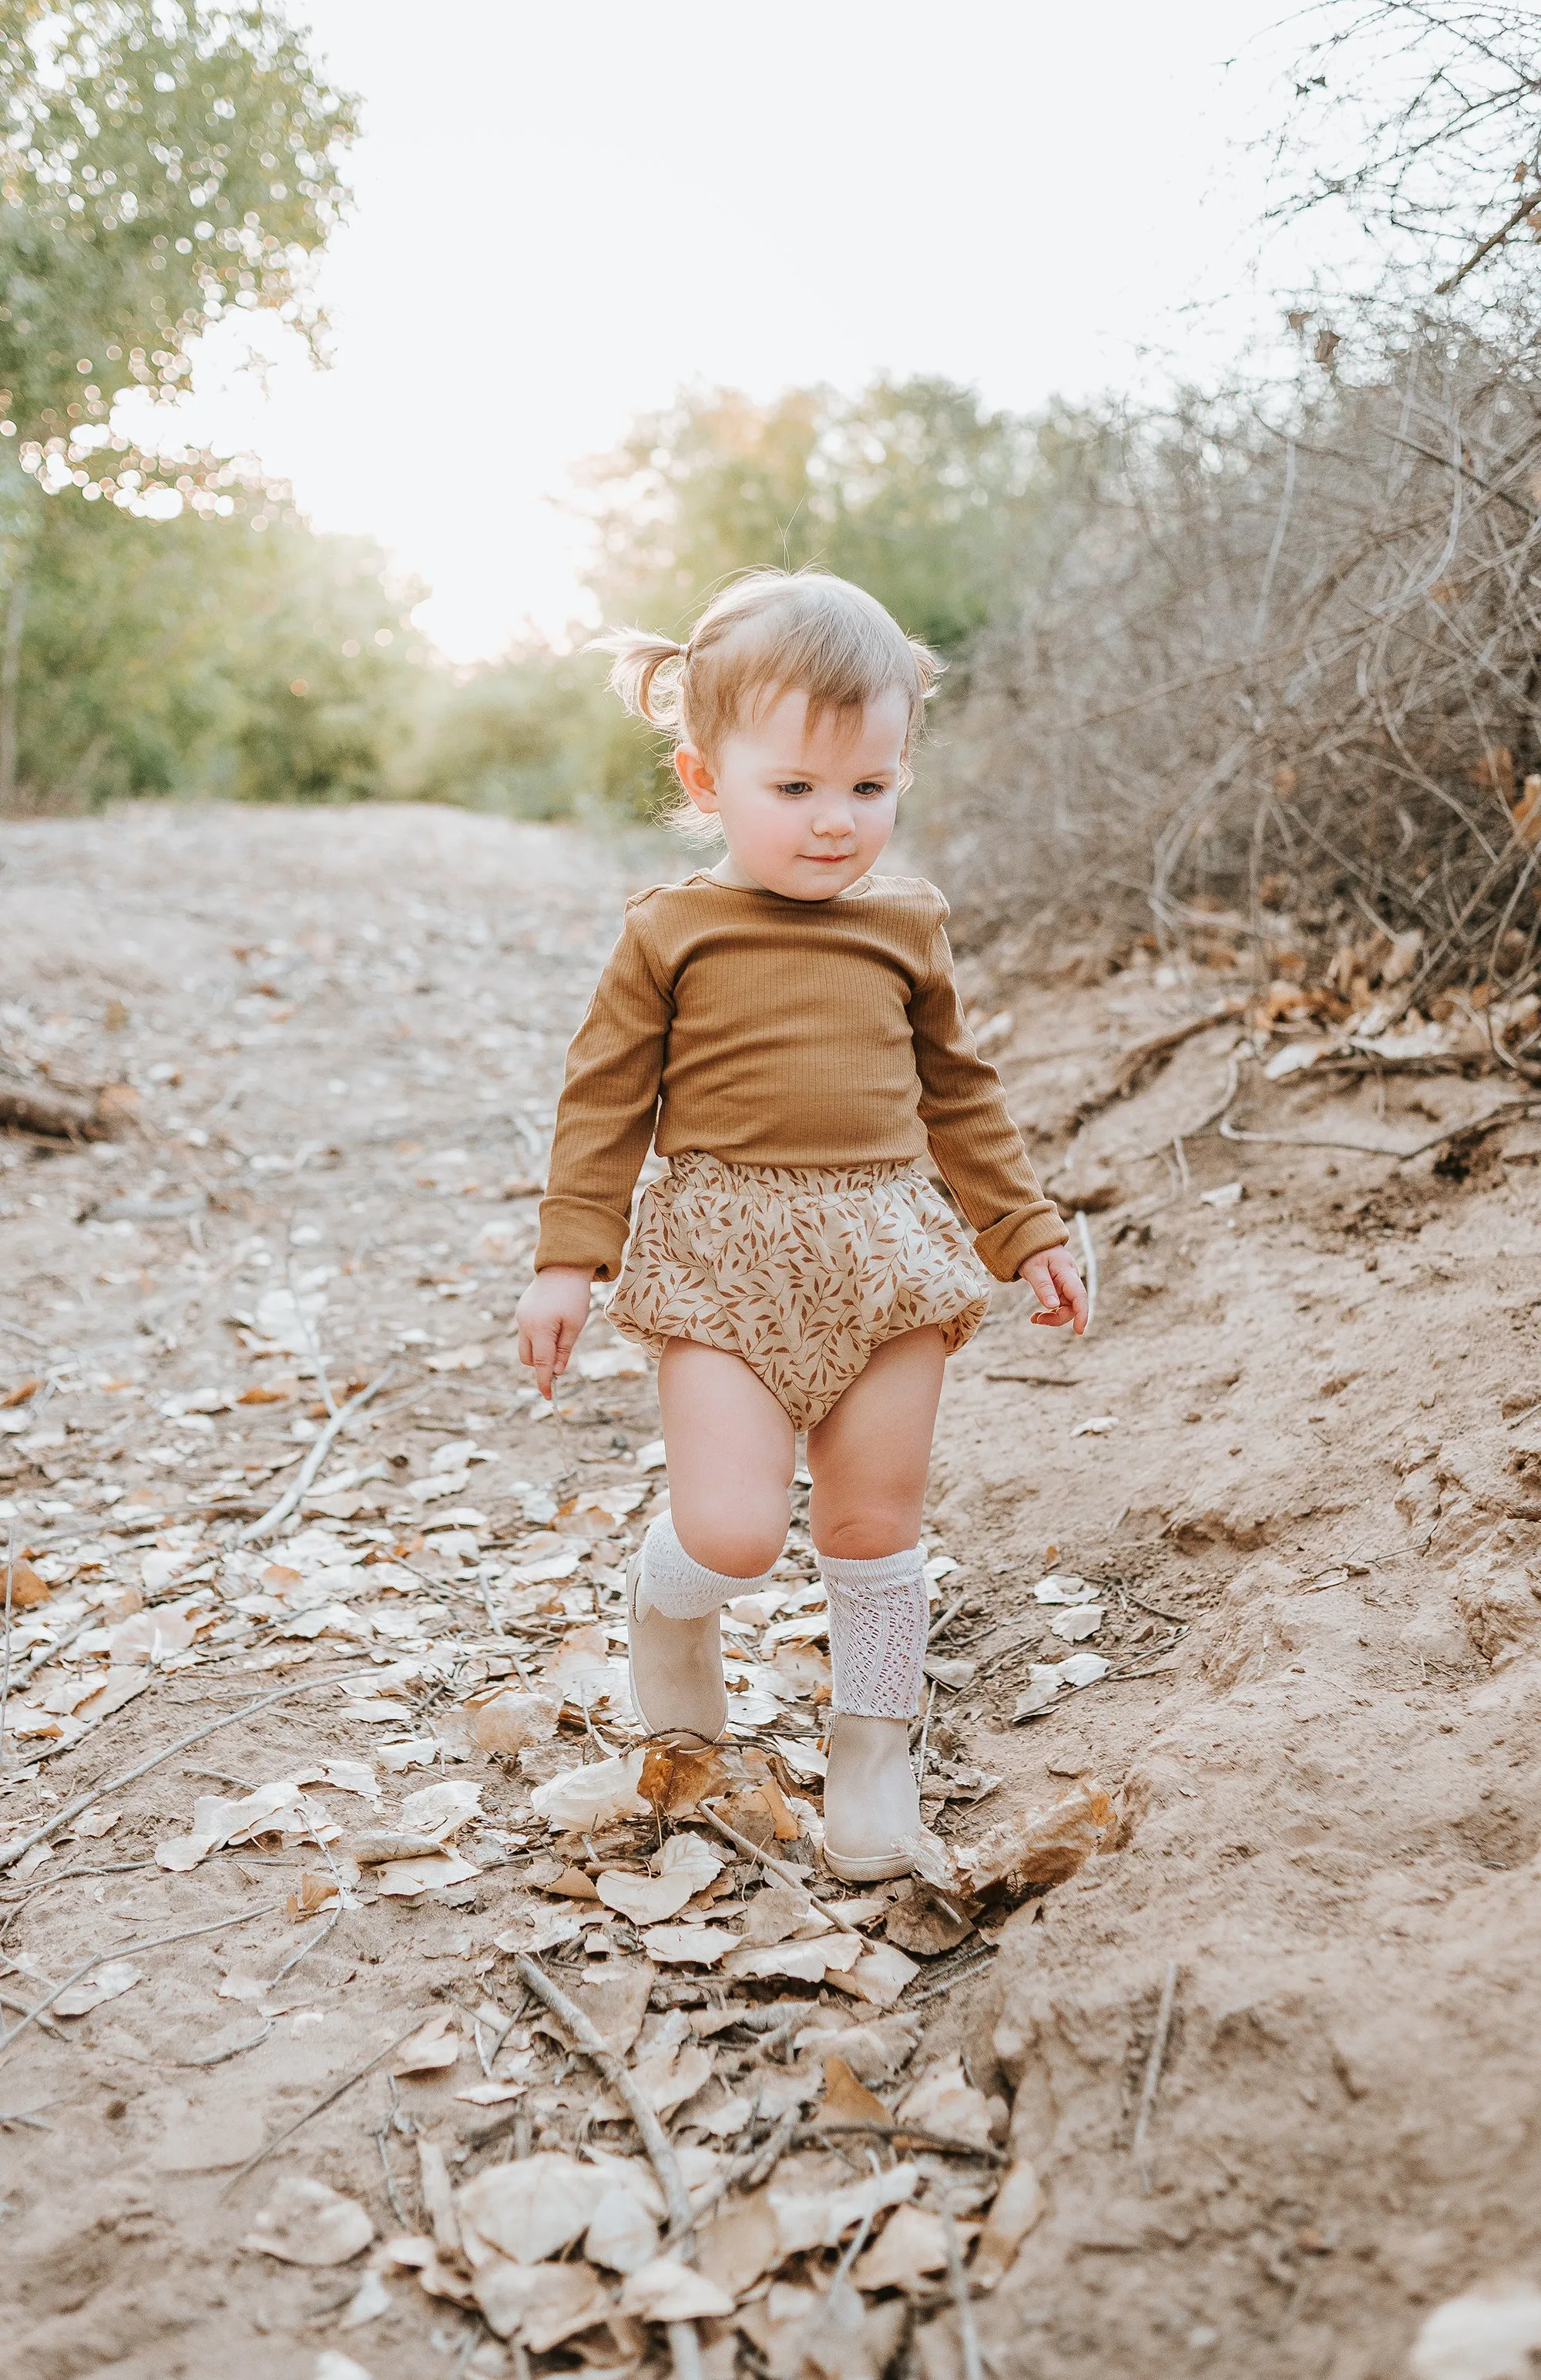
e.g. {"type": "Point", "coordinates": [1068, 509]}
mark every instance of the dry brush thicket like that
{"type": "Point", "coordinates": [1279, 702]}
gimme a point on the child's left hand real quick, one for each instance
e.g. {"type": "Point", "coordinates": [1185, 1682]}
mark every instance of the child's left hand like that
{"type": "Point", "coordinates": [1058, 1286]}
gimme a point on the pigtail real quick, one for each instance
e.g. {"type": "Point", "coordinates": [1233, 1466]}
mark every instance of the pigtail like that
{"type": "Point", "coordinates": [633, 673]}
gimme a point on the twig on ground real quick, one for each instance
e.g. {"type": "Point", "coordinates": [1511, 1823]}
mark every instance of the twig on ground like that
{"type": "Point", "coordinates": [968, 2335]}
{"type": "Point", "coordinates": [219, 2056]}
{"type": "Point", "coordinates": [132, 1951]}
{"type": "Point", "coordinates": [279, 1513]}
{"type": "Point", "coordinates": [902, 2135]}
{"type": "Point", "coordinates": [61, 1817]}
{"type": "Point", "coordinates": [924, 1735]}
{"type": "Point", "coordinates": [1476, 1129]}
{"type": "Point", "coordinates": [684, 2343]}
{"type": "Point", "coordinates": [5, 1679]}
{"type": "Point", "coordinates": [321, 2106]}
{"type": "Point", "coordinates": [781, 1869]}
{"type": "Point", "coordinates": [1088, 1251]}
{"type": "Point", "coordinates": [1153, 2065]}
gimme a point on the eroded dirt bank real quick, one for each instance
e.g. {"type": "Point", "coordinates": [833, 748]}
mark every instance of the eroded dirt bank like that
{"type": "Point", "coordinates": [1309, 1507]}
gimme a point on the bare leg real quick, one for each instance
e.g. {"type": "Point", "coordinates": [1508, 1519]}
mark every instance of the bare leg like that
{"type": "Point", "coordinates": [869, 1455]}
{"type": "Point", "coordinates": [730, 1447]}
{"type": "Point", "coordinates": [869, 1460]}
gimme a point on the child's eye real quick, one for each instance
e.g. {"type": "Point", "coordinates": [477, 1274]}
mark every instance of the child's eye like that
{"type": "Point", "coordinates": [869, 788]}
{"type": "Point", "coordinates": [795, 785]}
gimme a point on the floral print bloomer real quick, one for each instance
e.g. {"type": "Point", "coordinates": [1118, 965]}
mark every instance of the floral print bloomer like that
{"type": "Point", "coordinates": [802, 1271]}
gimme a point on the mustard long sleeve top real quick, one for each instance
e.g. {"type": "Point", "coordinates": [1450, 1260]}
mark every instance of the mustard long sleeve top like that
{"type": "Point", "coordinates": [769, 1031]}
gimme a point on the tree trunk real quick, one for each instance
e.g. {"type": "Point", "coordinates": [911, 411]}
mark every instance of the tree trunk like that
{"type": "Point", "coordinates": [11, 675]}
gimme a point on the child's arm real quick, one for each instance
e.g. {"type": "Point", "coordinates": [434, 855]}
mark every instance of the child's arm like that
{"type": "Point", "coordinates": [605, 1119]}
{"type": "Point", "coordinates": [551, 1315]}
{"type": "Point", "coordinates": [604, 1127]}
{"type": "Point", "coordinates": [1020, 1234]}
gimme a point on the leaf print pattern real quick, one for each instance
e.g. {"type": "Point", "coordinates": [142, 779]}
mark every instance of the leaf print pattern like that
{"type": "Point", "coordinates": [802, 1271]}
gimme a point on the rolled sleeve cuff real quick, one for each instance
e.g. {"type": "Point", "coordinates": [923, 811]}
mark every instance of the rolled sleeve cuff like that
{"type": "Point", "coordinates": [1005, 1248]}
{"type": "Point", "coordinates": [580, 1232]}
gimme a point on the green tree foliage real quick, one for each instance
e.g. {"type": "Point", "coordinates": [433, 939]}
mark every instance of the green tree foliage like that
{"type": "Point", "coordinates": [194, 656]}
{"type": "Point", "coordinates": [160, 165]}
{"type": "Point", "coordinates": [912, 488]}
{"type": "Point", "coordinates": [946, 512]}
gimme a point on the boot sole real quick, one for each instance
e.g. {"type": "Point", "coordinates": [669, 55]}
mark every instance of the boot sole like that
{"type": "Point", "coordinates": [879, 1869]}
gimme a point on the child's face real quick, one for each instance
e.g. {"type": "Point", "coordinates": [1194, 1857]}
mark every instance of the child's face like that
{"type": "Point", "coordinates": [804, 812]}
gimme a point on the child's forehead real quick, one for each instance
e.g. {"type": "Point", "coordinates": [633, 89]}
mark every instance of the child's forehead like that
{"type": "Point", "coordinates": [778, 722]}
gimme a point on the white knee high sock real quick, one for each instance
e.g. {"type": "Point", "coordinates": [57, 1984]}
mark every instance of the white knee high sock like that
{"type": "Point", "coordinates": [680, 1587]}
{"type": "Point", "coordinates": [877, 1626]}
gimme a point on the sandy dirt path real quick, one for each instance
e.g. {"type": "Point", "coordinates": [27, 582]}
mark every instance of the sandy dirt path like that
{"type": "Point", "coordinates": [1297, 1465]}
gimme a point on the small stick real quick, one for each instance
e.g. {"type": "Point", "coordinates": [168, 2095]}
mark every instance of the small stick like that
{"type": "Point", "coordinates": [279, 1513]}
{"type": "Point", "coordinates": [129, 1950]}
{"type": "Point", "coordinates": [1089, 1252]}
{"type": "Point", "coordinates": [321, 2104]}
{"type": "Point", "coordinates": [779, 1869]}
{"type": "Point", "coordinates": [684, 2342]}
{"type": "Point", "coordinates": [5, 1679]}
{"type": "Point", "coordinates": [47, 1652]}
{"type": "Point", "coordinates": [925, 1733]}
{"type": "Point", "coordinates": [953, 1608]}
{"type": "Point", "coordinates": [903, 2136]}
{"type": "Point", "coordinates": [14, 1851]}
{"type": "Point", "coordinates": [1153, 2070]}
{"type": "Point", "coordinates": [968, 2335]}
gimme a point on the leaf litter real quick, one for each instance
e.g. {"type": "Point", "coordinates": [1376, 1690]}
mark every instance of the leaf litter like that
{"type": "Point", "coordinates": [477, 1788]}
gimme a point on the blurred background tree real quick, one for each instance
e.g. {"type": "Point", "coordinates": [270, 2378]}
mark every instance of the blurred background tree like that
{"type": "Point", "coordinates": [946, 512]}
{"type": "Point", "coordinates": [160, 166]}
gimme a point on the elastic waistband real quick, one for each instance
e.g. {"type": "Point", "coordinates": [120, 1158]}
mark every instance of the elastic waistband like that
{"type": "Point", "coordinates": [695, 1164]}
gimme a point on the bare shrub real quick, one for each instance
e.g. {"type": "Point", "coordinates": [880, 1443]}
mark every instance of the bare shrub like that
{"type": "Point", "coordinates": [1281, 695]}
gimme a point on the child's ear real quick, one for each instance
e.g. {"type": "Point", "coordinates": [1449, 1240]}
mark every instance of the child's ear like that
{"type": "Point", "coordinates": [696, 778]}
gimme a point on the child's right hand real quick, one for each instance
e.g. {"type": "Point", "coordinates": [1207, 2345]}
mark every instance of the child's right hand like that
{"type": "Point", "coordinates": [551, 1314]}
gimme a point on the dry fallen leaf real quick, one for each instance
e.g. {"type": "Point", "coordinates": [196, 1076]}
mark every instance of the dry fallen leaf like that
{"type": "Point", "coordinates": [913, 2243]}
{"type": "Point", "coordinates": [1018, 2204]}
{"type": "Point", "coordinates": [583, 1798]}
{"type": "Point", "coordinates": [667, 2291]}
{"type": "Point", "coordinates": [540, 2304]}
{"type": "Point", "coordinates": [315, 1892]}
{"type": "Point", "coordinates": [622, 2235]}
{"type": "Point", "coordinates": [430, 2050]}
{"type": "Point", "coordinates": [879, 1976]}
{"type": "Point", "coordinates": [405, 1879]}
{"type": "Point", "coordinates": [510, 1721]}
{"type": "Point", "coordinates": [688, 1946]}
{"type": "Point", "coordinates": [671, 2074]}
{"type": "Point", "coordinates": [846, 2101]}
{"type": "Point", "coordinates": [306, 2223]}
{"type": "Point", "coordinates": [616, 2001]}
{"type": "Point", "coordinates": [441, 1810]}
{"type": "Point", "coordinates": [96, 1822]}
{"type": "Point", "coordinates": [108, 1981]}
{"type": "Point", "coordinates": [820, 2219]}
{"type": "Point", "coordinates": [674, 1782]}
{"type": "Point", "coordinates": [744, 2243]}
{"type": "Point", "coordinates": [28, 1589]}
{"type": "Point", "coordinates": [646, 1900]}
{"type": "Point", "coordinates": [1030, 1847]}
{"type": "Point", "coordinates": [534, 2206]}
{"type": "Point", "coordinates": [945, 2101]}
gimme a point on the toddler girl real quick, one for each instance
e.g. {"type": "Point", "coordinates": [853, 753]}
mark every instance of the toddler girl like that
{"type": "Point", "coordinates": [784, 1028]}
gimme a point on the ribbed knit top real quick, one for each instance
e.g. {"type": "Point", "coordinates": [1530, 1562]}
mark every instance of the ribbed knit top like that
{"type": "Point", "coordinates": [769, 1031]}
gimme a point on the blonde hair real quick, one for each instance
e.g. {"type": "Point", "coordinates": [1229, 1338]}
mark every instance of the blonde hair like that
{"type": "Point", "coordinates": [770, 632]}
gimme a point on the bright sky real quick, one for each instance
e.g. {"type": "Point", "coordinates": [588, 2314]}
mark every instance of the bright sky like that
{"type": "Point", "coordinates": [566, 213]}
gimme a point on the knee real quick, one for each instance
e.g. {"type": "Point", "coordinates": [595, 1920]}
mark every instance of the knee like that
{"type": "Point", "coordinates": [738, 1545]}
{"type": "Point", "coordinates": [868, 1534]}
